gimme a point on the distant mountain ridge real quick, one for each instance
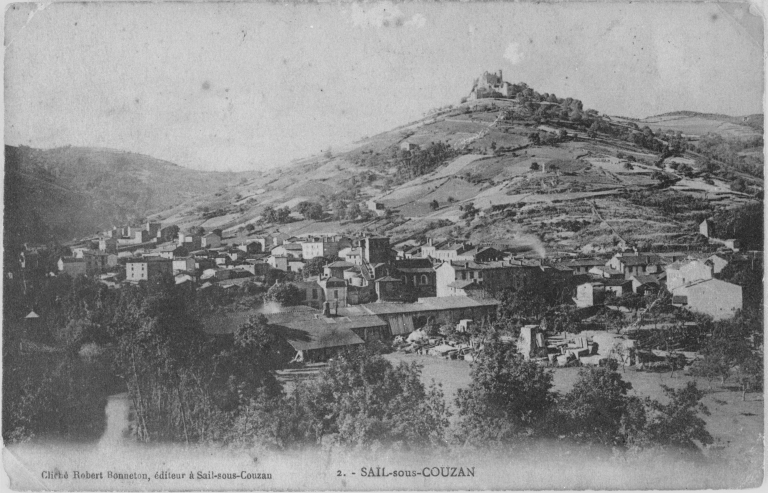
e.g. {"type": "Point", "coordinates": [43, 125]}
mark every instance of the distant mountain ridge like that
{"type": "Point", "coordinates": [74, 191]}
{"type": "Point", "coordinates": [755, 120]}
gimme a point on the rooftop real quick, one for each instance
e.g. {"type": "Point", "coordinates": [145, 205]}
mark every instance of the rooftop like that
{"type": "Point", "coordinates": [424, 304]}
{"type": "Point", "coordinates": [340, 264]}
{"type": "Point", "coordinates": [646, 279]}
{"type": "Point", "coordinates": [641, 259]}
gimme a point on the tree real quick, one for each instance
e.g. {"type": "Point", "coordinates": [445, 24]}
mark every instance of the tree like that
{"type": "Point", "coordinates": [259, 351]}
{"type": "Point", "coordinates": [310, 210]}
{"type": "Point", "coordinates": [362, 400]}
{"type": "Point", "coordinates": [314, 266]}
{"type": "Point", "coordinates": [250, 227]}
{"type": "Point", "coordinates": [170, 233]}
{"type": "Point", "coordinates": [269, 214]}
{"type": "Point", "coordinates": [353, 211]}
{"type": "Point", "coordinates": [434, 205]}
{"type": "Point", "coordinates": [714, 364]}
{"type": "Point", "coordinates": [595, 410]}
{"type": "Point", "coordinates": [535, 166]}
{"type": "Point", "coordinates": [282, 215]}
{"type": "Point", "coordinates": [507, 399]}
{"type": "Point", "coordinates": [528, 304]}
{"type": "Point", "coordinates": [469, 211]}
{"type": "Point", "coordinates": [678, 424]}
{"type": "Point", "coordinates": [284, 293]}
{"type": "Point", "coordinates": [593, 129]}
{"type": "Point", "coordinates": [739, 185]}
{"type": "Point", "coordinates": [750, 374]}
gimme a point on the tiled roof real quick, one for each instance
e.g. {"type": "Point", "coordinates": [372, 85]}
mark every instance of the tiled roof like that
{"type": "Point", "coordinates": [340, 263]}
{"type": "Point", "coordinates": [388, 279]}
{"type": "Point", "coordinates": [646, 279]}
{"type": "Point", "coordinates": [632, 260]}
{"type": "Point", "coordinates": [462, 284]}
{"type": "Point", "coordinates": [424, 304]}
{"type": "Point", "coordinates": [496, 264]}
{"type": "Point", "coordinates": [607, 270]}
{"type": "Point", "coordinates": [583, 262]}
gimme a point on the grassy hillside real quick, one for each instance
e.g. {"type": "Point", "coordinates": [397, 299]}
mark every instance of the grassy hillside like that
{"type": "Point", "coordinates": [605, 180]}
{"type": "Point", "coordinates": [71, 192]}
{"type": "Point", "coordinates": [537, 171]}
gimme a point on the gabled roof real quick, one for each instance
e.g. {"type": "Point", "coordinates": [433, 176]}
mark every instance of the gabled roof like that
{"type": "Point", "coordinates": [457, 247]}
{"type": "Point", "coordinates": [72, 260]}
{"type": "Point", "coordinates": [586, 262]}
{"type": "Point", "coordinates": [305, 337]}
{"type": "Point", "coordinates": [144, 260]}
{"type": "Point", "coordinates": [598, 281]}
{"type": "Point", "coordinates": [461, 265]}
{"type": "Point", "coordinates": [340, 264]}
{"type": "Point", "coordinates": [647, 259]}
{"type": "Point", "coordinates": [333, 282]}
{"type": "Point", "coordinates": [289, 246]}
{"type": "Point", "coordinates": [388, 279]}
{"type": "Point", "coordinates": [646, 279]}
{"type": "Point", "coordinates": [462, 284]}
{"type": "Point", "coordinates": [424, 304]}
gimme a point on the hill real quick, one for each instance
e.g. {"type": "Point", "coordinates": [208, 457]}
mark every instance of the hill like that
{"type": "Point", "coordinates": [536, 171]}
{"type": "Point", "coordinates": [72, 192]}
{"type": "Point", "coordinates": [693, 123]}
{"type": "Point", "coordinates": [530, 170]}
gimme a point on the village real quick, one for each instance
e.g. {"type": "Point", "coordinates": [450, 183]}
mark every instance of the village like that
{"type": "Point", "coordinates": [431, 298]}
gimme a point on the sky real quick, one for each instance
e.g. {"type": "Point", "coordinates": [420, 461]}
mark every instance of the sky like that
{"type": "Point", "coordinates": [235, 86]}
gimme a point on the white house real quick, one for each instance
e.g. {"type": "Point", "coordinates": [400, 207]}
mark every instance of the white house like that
{"type": "Point", "coordinates": [713, 297]}
{"type": "Point", "coordinates": [679, 274]}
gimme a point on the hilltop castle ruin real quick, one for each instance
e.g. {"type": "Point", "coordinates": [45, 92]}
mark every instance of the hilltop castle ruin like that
{"type": "Point", "coordinates": [491, 85]}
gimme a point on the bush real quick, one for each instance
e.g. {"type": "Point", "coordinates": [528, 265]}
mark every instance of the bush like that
{"type": "Point", "coordinates": [284, 293]}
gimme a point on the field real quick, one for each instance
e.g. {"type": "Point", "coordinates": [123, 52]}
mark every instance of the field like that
{"type": "Point", "coordinates": [570, 173]}
{"type": "Point", "coordinates": [697, 125]}
{"type": "Point", "coordinates": [736, 425]}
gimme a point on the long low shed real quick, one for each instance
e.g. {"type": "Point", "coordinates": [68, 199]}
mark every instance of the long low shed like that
{"type": "Point", "coordinates": [448, 309]}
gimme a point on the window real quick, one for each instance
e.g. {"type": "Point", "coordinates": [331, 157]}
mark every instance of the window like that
{"type": "Point", "coordinates": [424, 279]}
{"type": "Point", "coordinates": [314, 294]}
{"type": "Point", "coordinates": [335, 294]}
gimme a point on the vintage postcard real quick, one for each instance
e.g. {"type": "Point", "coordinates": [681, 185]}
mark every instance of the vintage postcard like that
{"type": "Point", "coordinates": [383, 246]}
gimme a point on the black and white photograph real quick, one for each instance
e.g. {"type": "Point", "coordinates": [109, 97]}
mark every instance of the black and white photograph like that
{"type": "Point", "coordinates": [383, 246]}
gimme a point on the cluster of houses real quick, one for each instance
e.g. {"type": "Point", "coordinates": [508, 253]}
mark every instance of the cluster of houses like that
{"type": "Point", "coordinates": [370, 269]}
{"type": "Point", "coordinates": [689, 277]}
{"type": "Point", "coordinates": [371, 289]}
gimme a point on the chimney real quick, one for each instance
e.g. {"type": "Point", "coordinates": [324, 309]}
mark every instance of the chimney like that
{"type": "Point", "coordinates": [500, 78]}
